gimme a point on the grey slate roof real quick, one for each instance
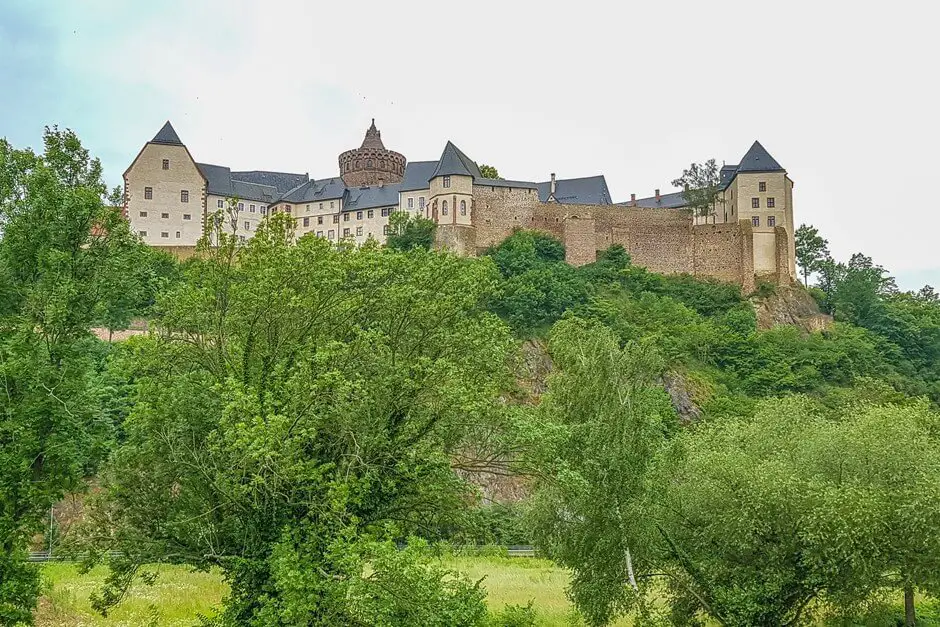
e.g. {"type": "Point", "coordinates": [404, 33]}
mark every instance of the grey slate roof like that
{"type": "Point", "coordinates": [219, 178]}
{"type": "Point", "coordinates": [589, 190]}
{"type": "Point", "coordinates": [757, 159]}
{"type": "Point", "coordinates": [371, 197]}
{"type": "Point", "coordinates": [666, 201]}
{"type": "Point", "coordinates": [222, 182]}
{"type": "Point", "coordinates": [316, 191]}
{"type": "Point", "coordinates": [283, 181]}
{"type": "Point", "coordinates": [504, 183]}
{"type": "Point", "coordinates": [727, 174]}
{"type": "Point", "coordinates": [417, 175]}
{"type": "Point", "coordinates": [167, 135]}
{"type": "Point", "coordinates": [454, 162]}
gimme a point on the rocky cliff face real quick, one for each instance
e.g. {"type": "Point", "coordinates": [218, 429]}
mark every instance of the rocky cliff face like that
{"type": "Point", "coordinates": [790, 305]}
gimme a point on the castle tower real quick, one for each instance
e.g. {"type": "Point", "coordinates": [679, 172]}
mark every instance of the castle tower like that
{"type": "Point", "coordinates": [372, 163]}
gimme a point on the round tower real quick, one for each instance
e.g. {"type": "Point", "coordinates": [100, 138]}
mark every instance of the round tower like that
{"type": "Point", "coordinates": [371, 163]}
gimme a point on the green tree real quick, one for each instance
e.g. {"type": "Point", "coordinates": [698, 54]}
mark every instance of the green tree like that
{"type": "Point", "coordinates": [701, 187]}
{"type": "Point", "coordinates": [409, 232]}
{"type": "Point", "coordinates": [61, 254]}
{"type": "Point", "coordinates": [489, 171]}
{"type": "Point", "coordinates": [811, 250]}
{"type": "Point", "coordinates": [303, 406]}
{"type": "Point", "coordinates": [605, 420]}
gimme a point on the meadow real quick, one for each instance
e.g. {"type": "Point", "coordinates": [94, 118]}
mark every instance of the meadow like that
{"type": "Point", "coordinates": [180, 595]}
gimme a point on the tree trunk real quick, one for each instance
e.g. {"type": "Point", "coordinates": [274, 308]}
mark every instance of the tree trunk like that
{"type": "Point", "coordinates": [909, 619]}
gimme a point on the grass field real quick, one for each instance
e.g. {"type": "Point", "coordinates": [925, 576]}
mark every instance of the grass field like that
{"type": "Point", "coordinates": [180, 595]}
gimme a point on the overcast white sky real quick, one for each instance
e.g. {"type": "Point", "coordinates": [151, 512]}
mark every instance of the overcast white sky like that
{"type": "Point", "coordinates": [843, 94]}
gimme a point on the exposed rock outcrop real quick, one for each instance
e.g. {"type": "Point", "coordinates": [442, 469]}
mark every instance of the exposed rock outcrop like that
{"type": "Point", "coordinates": [790, 305]}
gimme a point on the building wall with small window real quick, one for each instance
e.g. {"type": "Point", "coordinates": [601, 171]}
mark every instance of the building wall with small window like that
{"type": "Point", "coordinates": [315, 216]}
{"type": "Point", "coordinates": [153, 196]}
{"type": "Point", "coordinates": [460, 190]}
{"type": "Point", "coordinates": [247, 220]}
{"type": "Point", "coordinates": [415, 202]}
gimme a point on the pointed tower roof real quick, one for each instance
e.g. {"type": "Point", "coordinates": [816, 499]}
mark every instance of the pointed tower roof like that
{"type": "Point", "coordinates": [167, 135]}
{"type": "Point", "coordinates": [758, 159]}
{"type": "Point", "coordinates": [454, 162]}
{"type": "Point", "coordinates": [373, 138]}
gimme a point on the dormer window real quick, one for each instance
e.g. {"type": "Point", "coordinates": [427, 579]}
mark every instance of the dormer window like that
{"type": "Point", "coordinates": [446, 181]}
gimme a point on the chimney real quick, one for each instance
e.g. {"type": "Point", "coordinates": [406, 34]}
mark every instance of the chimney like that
{"type": "Point", "coordinates": [633, 200]}
{"type": "Point", "coordinates": [552, 187]}
{"type": "Point", "coordinates": [381, 182]}
{"type": "Point", "coordinates": [657, 195]}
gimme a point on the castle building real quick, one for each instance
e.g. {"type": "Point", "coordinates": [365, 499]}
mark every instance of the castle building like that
{"type": "Point", "coordinates": [748, 235]}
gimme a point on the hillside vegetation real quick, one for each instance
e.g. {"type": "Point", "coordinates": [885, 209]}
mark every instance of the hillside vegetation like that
{"type": "Point", "coordinates": [309, 420]}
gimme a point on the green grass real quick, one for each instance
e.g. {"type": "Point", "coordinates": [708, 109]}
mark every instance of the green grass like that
{"type": "Point", "coordinates": [179, 594]}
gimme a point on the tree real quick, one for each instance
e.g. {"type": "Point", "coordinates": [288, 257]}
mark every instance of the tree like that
{"type": "Point", "coordinates": [772, 519]}
{"type": "Point", "coordinates": [811, 250]}
{"type": "Point", "coordinates": [408, 232]}
{"type": "Point", "coordinates": [489, 172]}
{"type": "Point", "coordinates": [605, 421]}
{"type": "Point", "coordinates": [303, 406]}
{"type": "Point", "coordinates": [701, 187]}
{"type": "Point", "coordinates": [62, 253]}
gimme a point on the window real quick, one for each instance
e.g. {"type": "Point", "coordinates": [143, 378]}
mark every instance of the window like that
{"type": "Point", "coordinates": [331, 204]}
{"type": "Point", "coordinates": [165, 216]}
{"type": "Point", "coordinates": [335, 219]}
{"type": "Point", "coordinates": [755, 220]}
{"type": "Point", "coordinates": [444, 208]}
{"type": "Point", "coordinates": [345, 217]}
{"type": "Point", "coordinates": [421, 202]}
{"type": "Point", "coordinates": [771, 221]}
{"type": "Point", "coordinates": [762, 186]}
{"type": "Point", "coordinates": [463, 207]}
{"type": "Point", "coordinates": [446, 181]}
{"type": "Point", "coordinates": [321, 206]}
{"type": "Point", "coordinates": [319, 233]}
{"type": "Point", "coordinates": [345, 232]}
{"type": "Point", "coordinates": [187, 216]}
{"type": "Point", "coordinates": [358, 230]}
{"type": "Point", "coordinates": [359, 215]}
{"type": "Point", "coordinates": [411, 202]}
{"type": "Point", "coordinates": [308, 208]}
{"type": "Point", "coordinates": [148, 193]}
{"type": "Point", "coordinates": [287, 208]}
{"type": "Point", "coordinates": [264, 210]}
{"type": "Point", "coordinates": [142, 233]}
{"type": "Point", "coordinates": [251, 208]}
{"type": "Point", "coordinates": [166, 164]}
{"type": "Point", "coordinates": [220, 203]}
{"type": "Point", "coordinates": [177, 235]}
{"type": "Point", "coordinates": [143, 214]}
{"type": "Point", "coordinates": [184, 195]}
{"type": "Point", "coordinates": [329, 234]}
{"type": "Point", "coordinates": [386, 230]}
{"type": "Point", "coordinates": [319, 219]}
{"type": "Point", "coordinates": [755, 203]}
{"type": "Point", "coordinates": [247, 225]}
{"type": "Point", "coordinates": [771, 202]}
{"type": "Point", "coordinates": [385, 212]}
{"type": "Point", "coordinates": [165, 234]}
{"type": "Point", "coordinates": [306, 221]}
{"type": "Point", "coordinates": [370, 213]}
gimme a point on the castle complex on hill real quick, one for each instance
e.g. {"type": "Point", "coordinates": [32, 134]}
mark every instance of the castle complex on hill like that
{"type": "Point", "coordinates": [748, 236]}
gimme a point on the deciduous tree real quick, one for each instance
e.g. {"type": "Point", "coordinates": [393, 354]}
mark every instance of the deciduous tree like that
{"type": "Point", "coordinates": [701, 187]}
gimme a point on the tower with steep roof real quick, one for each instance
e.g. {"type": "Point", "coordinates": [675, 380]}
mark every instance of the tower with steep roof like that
{"type": "Point", "coordinates": [372, 163]}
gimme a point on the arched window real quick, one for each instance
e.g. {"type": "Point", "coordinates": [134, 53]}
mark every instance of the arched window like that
{"type": "Point", "coordinates": [368, 163]}
{"type": "Point", "coordinates": [444, 207]}
{"type": "Point", "coordinates": [463, 207]}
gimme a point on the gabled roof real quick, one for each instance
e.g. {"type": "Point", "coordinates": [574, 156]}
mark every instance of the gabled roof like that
{"type": "Point", "coordinates": [221, 181]}
{"type": "Point", "coordinates": [504, 183]}
{"type": "Point", "coordinates": [589, 190]}
{"type": "Point", "coordinates": [757, 159]}
{"type": "Point", "coordinates": [454, 162]}
{"type": "Point", "coordinates": [371, 197]}
{"type": "Point", "coordinates": [417, 175]}
{"type": "Point", "coordinates": [167, 135]}
{"type": "Point", "coordinates": [282, 181]}
{"type": "Point", "coordinates": [218, 178]}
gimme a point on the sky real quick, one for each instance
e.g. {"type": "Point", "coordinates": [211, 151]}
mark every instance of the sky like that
{"type": "Point", "coordinates": [843, 94]}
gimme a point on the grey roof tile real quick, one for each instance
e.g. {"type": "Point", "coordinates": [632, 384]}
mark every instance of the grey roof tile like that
{"type": "Point", "coordinates": [167, 135]}
{"type": "Point", "coordinates": [454, 162]}
{"type": "Point", "coordinates": [757, 159]}
{"type": "Point", "coordinates": [674, 200]}
{"type": "Point", "coordinates": [504, 183]}
{"type": "Point", "coordinates": [283, 181]}
{"type": "Point", "coordinates": [589, 190]}
{"type": "Point", "coordinates": [219, 178]}
{"type": "Point", "coordinates": [371, 197]}
{"type": "Point", "coordinates": [417, 175]}
{"type": "Point", "coordinates": [315, 191]}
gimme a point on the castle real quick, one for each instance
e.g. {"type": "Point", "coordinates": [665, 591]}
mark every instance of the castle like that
{"type": "Point", "coordinates": [746, 237]}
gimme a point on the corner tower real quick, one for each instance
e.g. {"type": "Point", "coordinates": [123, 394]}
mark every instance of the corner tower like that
{"type": "Point", "coordinates": [372, 163]}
